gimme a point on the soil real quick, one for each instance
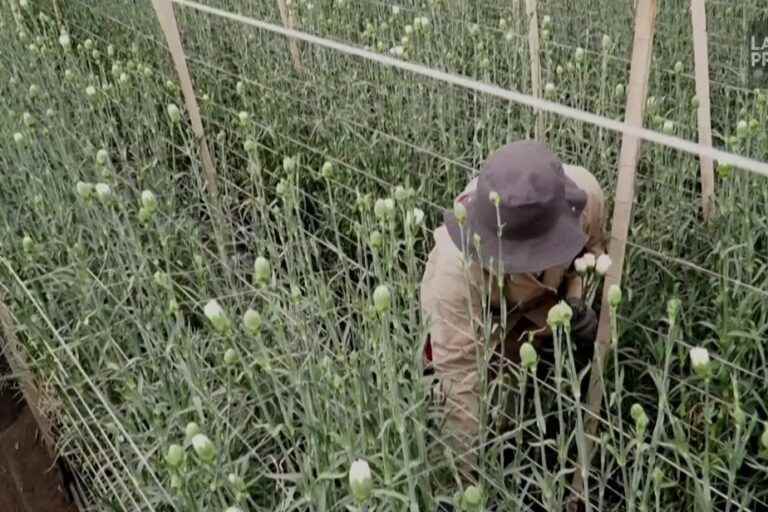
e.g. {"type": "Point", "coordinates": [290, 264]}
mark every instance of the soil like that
{"type": "Point", "coordinates": [30, 479]}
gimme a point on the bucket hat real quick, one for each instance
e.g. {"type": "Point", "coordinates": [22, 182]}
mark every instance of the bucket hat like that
{"type": "Point", "coordinates": [523, 189]}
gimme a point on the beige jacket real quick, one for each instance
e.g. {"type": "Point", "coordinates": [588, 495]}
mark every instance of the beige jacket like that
{"type": "Point", "coordinates": [452, 304]}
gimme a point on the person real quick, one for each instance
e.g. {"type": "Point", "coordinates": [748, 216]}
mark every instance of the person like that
{"type": "Point", "coordinates": [549, 214]}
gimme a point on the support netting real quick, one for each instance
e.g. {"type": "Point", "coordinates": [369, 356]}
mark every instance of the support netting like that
{"type": "Point", "coordinates": [108, 287]}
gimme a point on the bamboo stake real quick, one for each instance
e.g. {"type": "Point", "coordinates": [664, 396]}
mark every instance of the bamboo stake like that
{"type": "Point", "coordinates": [535, 57]}
{"type": "Point", "coordinates": [701, 59]}
{"type": "Point", "coordinates": [642, 48]}
{"type": "Point", "coordinates": [288, 21]}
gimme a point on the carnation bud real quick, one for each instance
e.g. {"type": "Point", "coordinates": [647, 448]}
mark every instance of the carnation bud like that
{"type": "Point", "coordinates": [578, 56]}
{"type": "Point", "coordinates": [417, 217]}
{"type": "Point", "coordinates": [64, 40]}
{"type": "Point", "coordinates": [619, 90]}
{"type": "Point", "coordinates": [103, 192]}
{"type": "Point", "coordinates": [546, 21]}
{"type": "Point", "coordinates": [29, 120]}
{"type": "Point", "coordinates": [384, 209]}
{"type": "Point", "coordinates": [460, 212]}
{"type": "Point", "coordinates": [528, 356]}
{"type": "Point", "coordinates": [668, 127]}
{"type": "Point", "coordinates": [161, 279]}
{"type": "Point", "coordinates": [606, 42]}
{"type": "Point", "coordinates": [614, 296]}
{"type": "Point", "coordinates": [589, 260]}
{"type": "Point", "coordinates": [240, 88]}
{"type": "Point", "coordinates": [252, 322]}
{"type": "Point", "coordinates": [191, 430]}
{"type": "Point", "coordinates": [111, 50]}
{"type": "Point", "coordinates": [580, 266]}
{"type": "Point", "coordinates": [27, 244]}
{"type": "Point", "coordinates": [262, 271]}
{"type": "Point", "coordinates": [375, 240]}
{"type": "Point", "coordinates": [85, 190]}
{"type": "Point", "coordinates": [173, 113]}
{"type": "Point", "coordinates": [360, 481]}
{"type": "Point", "coordinates": [700, 361]}
{"type": "Point", "coordinates": [559, 315]}
{"type": "Point", "coordinates": [204, 448]}
{"type": "Point", "coordinates": [216, 315]}
{"type": "Point", "coordinates": [102, 157]}
{"type": "Point", "coordinates": [550, 90]}
{"type": "Point", "coordinates": [673, 308]}
{"type": "Point", "coordinates": [230, 356]}
{"type": "Point", "coordinates": [90, 90]}
{"type": "Point", "coordinates": [88, 44]}
{"type": "Point", "coordinates": [695, 102]}
{"type": "Point", "coordinates": [174, 456]}
{"type": "Point", "coordinates": [243, 118]}
{"type": "Point", "coordinates": [382, 298]}
{"type": "Point", "coordinates": [289, 164]}
{"type": "Point", "coordinates": [472, 499]}
{"type": "Point", "coordinates": [603, 264]}
{"type": "Point", "coordinates": [18, 137]}
{"type": "Point", "coordinates": [149, 200]}
{"type": "Point", "coordinates": [742, 128]}
{"type": "Point", "coordinates": [641, 419]}
{"type": "Point", "coordinates": [327, 170]}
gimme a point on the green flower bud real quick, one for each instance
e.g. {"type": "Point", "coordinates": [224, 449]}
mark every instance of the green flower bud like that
{"type": "Point", "coordinates": [149, 200]}
{"type": "Point", "coordinates": [90, 91]}
{"type": "Point", "coordinates": [669, 127]}
{"type": "Point", "coordinates": [382, 298]}
{"type": "Point", "coordinates": [174, 456]}
{"type": "Point", "coordinates": [460, 212]}
{"type": "Point", "coordinates": [375, 240]}
{"type": "Point", "coordinates": [528, 356]}
{"type": "Point", "coordinates": [162, 280]}
{"type": "Point", "coordinates": [230, 356]}
{"type": "Point", "coordinates": [742, 129]}
{"type": "Point", "coordinates": [28, 119]}
{"type": "Point", "coordinates": [607, 42]}
{"type": "Point", "coordinates": [695, 102]}
{"type": "Point", "coordinates": [252, 322]}
{"type": "Point", "coordinates": [578, 55]}
{"type": "Point", "coordinates": [243, 118]}
{"type": "Point", "coordinates": [614, 296]}
{"type": "Point", "coordinates": [289, 164]}
{"type": "Point", "coordinates": [28, 244]}
{"type": "Point", "coordinates": [262, 271]}
{"type": "Point", "coordinates": [559, 315]}
{"type": "Point", "coordinates": [327, 170]}
{"type": "Point", "coordinates": [472, 499]}
{"type": "Point", "coordinates": [85, 189]}
{"type": "Point", "coordinates": [673, 308]}
{"type": "Point", "coordinates": [550, 90]}
{"type": "Point", "coordinates": [18, 137]}
{"type": "Point", "coordinates": [102, 157]}
{"type": "Point", "coordinates": [191, 430]}
{"type": "Point", "coordinates": [384, 209]}
{"type": "Point", "coordinates": [678, 67]}
{"type": "Point", "coordinates": [204, 448]}
{"type": "Point", "coordinates": [173, 113]}
{"type": "Point", "coordinates": [700, 361]}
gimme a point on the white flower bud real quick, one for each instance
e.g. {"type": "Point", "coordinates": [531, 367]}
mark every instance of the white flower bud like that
{"type": "Point", "coordinates": [27, 244]}
{"type": "Point", "coordinates": [360, 481]}
{"type": "Point", "coordinates": [460, 212]}
{"type": "Point", "coordinates": [111, 50]}
{"type": "Point", "coordinates": [668, 128]}
{"type": "Point", "coordinates": [243, 117]}
{"type": "Point", "coordinates": [327, 170]}
{"type": "Point", "coordinates": [216, 315]}
{"type": "Point", "coordinates": [230, 357]}
{"type": "Point", "coordinates": [546, 20]}
{"type": "Point", "coordinates": [174, 456]}
{"type": "Point", "coordinates": [606, 42]}
{"type": "Point", "coordinates": [397, 51]}
{"type": "Point", "coordinates": [103, 192]}
{"type": "Point", "coordinates": [528, 356]}
{"type": "Point", "coordinates": [417, 217]}
{"type": "Point", "coordinates": [88, 44]}
{"type": "Point", "coordinates": [65, 41]}
{"type": "Point", "coordinates": [395, 10]}
{"type": "Point", "coordinates": [252, 322]}
{"type": "Point", "coordinates": [18, 137]}
{"type": "Point", "coordinates": [204, 448]}
{"type": "Point", "coordinates": [409, 29]}
{"type": "Point", "coordinates": [550, 89]}
{"type": "Point", "coordinates": [289, 164]}
{"type": "Point", "coordinates": [589, 260]}
{"type": "Point", "coordinates": [472, 499]}
{"type": "Point", "coordinates": [641, 419]}
{"type": "Point", "coordinates": [84, 189]}
{"type": "Point", "coordinates": [700, 361]}
{"type": "Point", "coordinates": [578, 56]}
{"type": "Point", "coordinates": [580, 266]}
{"type": "Point", "coordinates": [384, 209]}
{"type": "Point", "coordinates": [262, 271]}
{"type": "Point", "coordinates": [619, 90]}
{"type": "Point", "coordinates": [603, 264]}
{"type": "Point", "coordinates": [678, 67]}
{"type": "Point", "coordinates": [90, 90]}
{"type": "Point", "coordinates": [123, 78]}
{"type": "Point", "coordinates": [233, 509]}
{"type": "Point", "coordinates": [382, 298]}
{"type": "Point", "coordinates": [742, 128]}
{"type": "Point", "coordinates": [559, 315]}
{"type": "Point", "coordinates": [102, 157]}
{"type": "Point", "coordinates": [173, 113]}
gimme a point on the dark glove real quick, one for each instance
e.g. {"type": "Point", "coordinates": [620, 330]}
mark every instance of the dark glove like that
{"type": "Point", "coordinates": [583, 323]}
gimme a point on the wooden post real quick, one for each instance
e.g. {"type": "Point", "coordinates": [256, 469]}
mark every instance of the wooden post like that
{"type": "Point", "coordinates": [642, 48]}
{"type": "Point", "coordinates": [289, 23]}
{"type": "Point", "coordinates": [701, 59]}
{"type": "Point", "coordinates": [164, 11]}
{"type": "Point", "coordinates": [535, 56]}
{"type": "Point", "coordinates": [11, 349]}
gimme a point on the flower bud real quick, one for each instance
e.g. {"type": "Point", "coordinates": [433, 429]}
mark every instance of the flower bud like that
{"type": "Point", "coordinates": [695, 102]}
{"type": "Point", "coordinates": [289, 164]}
{"type": "Point", "coordinates": [742, 128]}
{"type": "Point", "coordinates": [673, 308]}
{"type": "Point", "coordinates": [102, 157]}
{"type": "Point", "coordinates": [18, 137]}
{"type": "Point", "coordinates": [528, 356]}
{"type": "Point", "coordinates": [375, 240]}
{"type": "Point", "coordinates": [550, 90]}
{"type": "Point", "coordinates": [619, 91]}
{"type": "Point", "coordinates": [161, 279]}
{"type": "Point", "coordinates": [668, 127]}
{"type": "Point", "coordinates": [401, 193]}
{"type": "Point", "coordinates": [641, 419]}
{"type": "Point", "coordinates": [578, 56]}
{"type": "Point", "coordinates": [252, 322]}
{"type": "Point", "coordinates": [384, 209]}
{"type": "Point", "coordinates": [173, 113]}
{"type": "Point", "coordinates": [603, 264]}
{"type": "Point", "coordinates": [191, 430]}
{"type": "Point", "coordinates": [88, 44]}
{"type": "Point", "coordinates": [90, 90]}
{"type": "Point", "coordinates": [382, 299]}
{"type": "Point", "coordinates": [327, 170]}
{"type": "Point", "coordinates": [149, 200]}
{"type": "Point", "coordinates": [546, 20]}
{"type": "Point", "coordinates": [700, 361]}
{"type": "Point", "coordinates": [262, 271]}
{"type": "Point", "coordinates": [739, 417]}
{"type": "Point", "coordinates": [28, 244]}
{"type": "Point", "coordinates": [360, 481]}
{"type": "Point", "coordinates": [230, 357]}
{"type": "Point", "coordinates": [216, 315]}
{"type": "Point", "coordinates": [240, 88]}
{"type": "Point", "coordinates": [589, 260]}
{"type": "Point", "coordinates": [204, 448]}
{"type": "Point", "coordinates": [559, 315]}
{"type": "Point", "coordinates": [460, 212]}
{"type": "Point", "coordinates": [607, 42]}
{"type": "Point", "coordinates": [103, 192]}
{"type": "Point", "coordinates": [28, 119]}
{"type": "Point", "coordinates": [174, 456]}
{"type": "Point", "coordinates": [614, 296]}
{"type": "Point", "coordinates": [580, 266]}
{"type": "Point", "coordinates": [85, 190]}
{"type": "Point", "coordinates": [472, 499]}
{"type": "Point", "coordinates": [250, 146]}
{"type": "Point", "coordinates": [243, 117]}
{"type": "Point", "coordinates": [417, 217]}
{"type": "Point", "coordinates": [233, 509]}
{"type": "Point", "coordinates": [64, 40]}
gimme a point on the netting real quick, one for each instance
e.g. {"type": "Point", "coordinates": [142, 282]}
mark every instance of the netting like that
{"type": "Point", "coordinates": [108, 289]}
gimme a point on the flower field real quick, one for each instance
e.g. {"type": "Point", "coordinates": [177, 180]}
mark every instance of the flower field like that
{"type": "Point", "coordinates": [245, 351]}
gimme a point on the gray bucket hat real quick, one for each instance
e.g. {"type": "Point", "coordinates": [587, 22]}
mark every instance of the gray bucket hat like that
{"type": "Point", "coordinates": [539, 212]}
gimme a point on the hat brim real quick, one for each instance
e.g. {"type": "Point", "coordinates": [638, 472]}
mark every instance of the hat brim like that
{"type": "Point", "coordinates": [557, 246]}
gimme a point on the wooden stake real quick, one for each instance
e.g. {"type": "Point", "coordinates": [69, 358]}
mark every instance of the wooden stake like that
{"type": "Point", "coordinates": [642, 48]}
{"type": "Point", "coordinates": [533, 50]}
{"type": "Point", "coordinates": [11, 349]}
{"type": "Point", "coordinates": [164, 11]}
{"type": "Point", "coordinates": [701, 60]}
{"type": "Point", "coordinates": [289, 23]}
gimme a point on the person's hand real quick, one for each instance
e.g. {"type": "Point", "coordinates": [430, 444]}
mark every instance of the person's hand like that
{"type": "Point", "coordinates": [583, 323]}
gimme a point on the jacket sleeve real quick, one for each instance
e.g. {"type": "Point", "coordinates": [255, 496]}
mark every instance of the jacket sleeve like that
{"type": "Point", "coordinates": [451, 304]}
